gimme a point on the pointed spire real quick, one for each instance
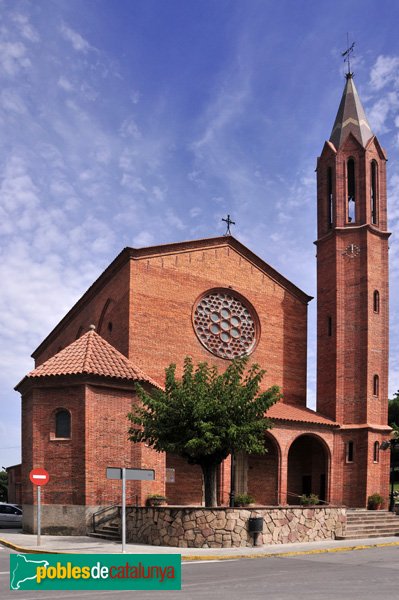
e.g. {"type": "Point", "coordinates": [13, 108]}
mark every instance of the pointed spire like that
{"type": "Point", "coordinates": [351, 117]}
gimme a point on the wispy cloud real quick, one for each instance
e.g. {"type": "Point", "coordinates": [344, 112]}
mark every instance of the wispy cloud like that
{"type": "Point", "coordinates": [13, 57]}
{"type": "Point", "coordinates": [385, 71]}
{"type": "Point", "coordinates": [25, 27]}
{"type": "Point", "coordinates": [76, 39]}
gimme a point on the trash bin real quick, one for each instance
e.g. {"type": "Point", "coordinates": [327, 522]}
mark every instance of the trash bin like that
{"type": "Point", "coordinates": [255, 524]}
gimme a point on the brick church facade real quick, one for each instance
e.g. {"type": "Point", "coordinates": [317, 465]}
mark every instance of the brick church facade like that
{"type": "Point", "coordinates": [214, 299]}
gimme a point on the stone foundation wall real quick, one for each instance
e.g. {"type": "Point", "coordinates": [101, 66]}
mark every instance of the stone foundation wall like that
{"type": "Point", "coordinates": [228, 527]}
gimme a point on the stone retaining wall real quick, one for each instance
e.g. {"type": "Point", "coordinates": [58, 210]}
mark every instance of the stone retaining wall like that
{"type": "Point", "coordinates": [228, 527]}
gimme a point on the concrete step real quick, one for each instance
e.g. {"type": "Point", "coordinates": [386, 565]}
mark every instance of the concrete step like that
{"type": "Point", "coordinates": [362, 523]}
{"type": "Point", "coordinates": [367, 527]}
{"type": "Point", "coordinates": [372, 521]}
{"type": "Point", "coordinates": [110, 528]}
{"type": "Point", "coordinates": [368, 513]}
{"type": "Point", "coordinates": [105, 535]}
{"type": "Point", "coordinates": [377, 517]}
{"type": "Point", "coordinates": [359, 536]}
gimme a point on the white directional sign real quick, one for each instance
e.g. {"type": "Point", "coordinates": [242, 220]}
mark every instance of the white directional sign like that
{"type": "Point", "coordinates": [131, 474]}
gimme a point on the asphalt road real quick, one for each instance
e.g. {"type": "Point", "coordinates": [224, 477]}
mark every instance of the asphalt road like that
{"type": "Point", "coordinates": [363, 574]}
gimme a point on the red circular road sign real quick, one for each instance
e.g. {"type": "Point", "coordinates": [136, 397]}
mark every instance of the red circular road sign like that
{"type": "Point", "coordinates": [39, 476]}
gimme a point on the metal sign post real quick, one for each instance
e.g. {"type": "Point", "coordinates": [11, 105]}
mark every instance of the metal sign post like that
{"type": "Point", "coordinates": [128, 475]}
{"type": "Point", "coordinates": [39, 515]}
{"type": "Point", "coordinates": [39, 477]}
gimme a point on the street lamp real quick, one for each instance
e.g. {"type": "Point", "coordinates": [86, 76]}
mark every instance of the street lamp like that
{"type": "Point", "coordinates": [391, 444]}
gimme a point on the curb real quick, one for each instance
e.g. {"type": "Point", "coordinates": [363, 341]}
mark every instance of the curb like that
{"type": "Point", "coordinates": [27, 550]}
{"type": "Point", "coordinates": [288, 553]}
{"type": "Point", "coordinates": [221, 557]}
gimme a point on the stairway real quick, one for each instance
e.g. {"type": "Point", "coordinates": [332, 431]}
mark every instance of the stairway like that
{"type": "Point", "coordinates": [362, 523]}
{"type": "Point", "coordinates": [107, 532]}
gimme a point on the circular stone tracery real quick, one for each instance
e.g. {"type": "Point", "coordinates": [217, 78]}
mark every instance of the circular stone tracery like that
{"type": "Point", "coordinates": [225, 325]}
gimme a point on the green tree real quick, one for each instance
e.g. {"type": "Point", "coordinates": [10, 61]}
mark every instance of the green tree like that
{"type": "Point", "coordinates": [393, 410]}
{"type": "Point", "coordinates": [205, 416]}
{"type": "Point", "coordinates": [3, 486]}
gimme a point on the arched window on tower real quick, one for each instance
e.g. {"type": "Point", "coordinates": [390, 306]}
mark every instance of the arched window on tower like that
{"type": "Point", "coordinates": [376, 452]}
{"type": "Point", "coordinates": [374, 192]}
{"type": "Point", "coordinates": [351, 191]}
{"type": "Point", "coordinates": [62, 423]}
{"type": "Point", "coordinates": [349, 454]}
{"type": "Point", "coordinates": [376, 301]}
{"type": "Point", "coordinates": [376, 385]}
{"type": "Point", "coordinates": [329, 198]}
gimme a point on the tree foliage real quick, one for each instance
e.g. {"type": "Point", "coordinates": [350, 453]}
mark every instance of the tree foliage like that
{"type": "Point", "coordinates": [3, 486]}
{"type": "Point", "coordinates": [205, 416]}
{"type": "Point", "coordinates": [393, 410]}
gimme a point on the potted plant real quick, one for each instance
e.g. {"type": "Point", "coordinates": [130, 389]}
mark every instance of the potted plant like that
{"type": "Point", "coordinates": [310, 500]}
{"type": "Point", "coordinates": [155, 500]}
{"type": "Point", "coordinates": [375, 501]}
{"type": "Point", "coordinates": [243, 500]}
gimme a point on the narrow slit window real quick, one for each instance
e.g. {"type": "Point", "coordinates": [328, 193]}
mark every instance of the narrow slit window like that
{"type": "Point", "coordinates": [376, 452]}
{"type": "Point", "coordinates": [330, 197]}
{"type": "Point", "coordinates": [63, 424]}
{"type": "Point", "coordinates": [376, 385]}
{"type": "Point", "coordinates": [374, 193]}
{"type": "Point", "coordinates": [349, 452]}
{"type": "Point", "coordinates": [329, 326]}
{"type": "Point", "coordinates": [376, 301]}
{"type": "Point", "coordinates": [351, 191]}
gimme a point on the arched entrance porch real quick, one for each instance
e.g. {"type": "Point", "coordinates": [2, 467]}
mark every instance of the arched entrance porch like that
{"type": "Point", "coordinates": [263, 473]}
{"type": "Point", "coordinates": [308, 464]}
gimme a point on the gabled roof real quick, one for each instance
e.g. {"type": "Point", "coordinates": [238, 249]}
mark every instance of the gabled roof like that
{"type": "Point", "coordinates": [90, 355]}
{"type": "Point", "coordinates": [351, 117]}
{"type": "Point", "coordinates": [169, 249]}
{"type": "Point", "coordinates": [297, 414]}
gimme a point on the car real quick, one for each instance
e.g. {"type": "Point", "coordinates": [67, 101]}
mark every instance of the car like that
{"type": "Point", "coordinates": [10, 516]}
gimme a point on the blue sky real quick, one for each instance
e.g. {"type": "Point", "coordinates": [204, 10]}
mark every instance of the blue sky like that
{"type": "Point", "coordinates": [140, 122]}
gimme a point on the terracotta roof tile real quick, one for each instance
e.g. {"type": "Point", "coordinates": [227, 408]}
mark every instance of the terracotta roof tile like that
{"type": "Point", "coordinates": [91, 355]}
{"type": "Point", "coordinates": [287, 412]}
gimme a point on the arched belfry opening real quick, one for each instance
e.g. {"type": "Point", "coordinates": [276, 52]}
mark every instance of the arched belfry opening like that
{"type": "Point", "coordinates": [308, 462]}
{"type": "Point", "coordinates": [351, 192]}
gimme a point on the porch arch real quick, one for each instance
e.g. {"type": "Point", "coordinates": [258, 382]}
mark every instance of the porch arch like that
{"type": "Point", "coordinates": [309, 460]}
{"type": "Point", "coordinates": [263, 480]}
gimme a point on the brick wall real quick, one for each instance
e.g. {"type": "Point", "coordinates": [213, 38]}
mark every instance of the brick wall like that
{"type": "Point", "coordinates": [63, 459]}
{"type": "Point", "coordinates": [164, 291]}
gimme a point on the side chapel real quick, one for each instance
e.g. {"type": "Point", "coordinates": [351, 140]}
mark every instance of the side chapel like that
{"type": "Point", "coordinates": [214, 299]}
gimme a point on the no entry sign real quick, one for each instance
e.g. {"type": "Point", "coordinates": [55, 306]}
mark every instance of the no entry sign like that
{"type": "Point", "coordinates": [39, 476]}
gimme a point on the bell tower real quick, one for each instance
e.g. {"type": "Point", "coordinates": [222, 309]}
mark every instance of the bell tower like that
{"type": "Point", "coordinates": [352, 296]}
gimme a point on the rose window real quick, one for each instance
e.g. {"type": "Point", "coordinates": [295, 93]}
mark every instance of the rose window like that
{"type": "Point", "coordinates": [225, 325]}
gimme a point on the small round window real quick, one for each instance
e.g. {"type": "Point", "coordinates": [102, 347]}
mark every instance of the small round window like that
{"type": "Point", "coordinates": [225, 324]}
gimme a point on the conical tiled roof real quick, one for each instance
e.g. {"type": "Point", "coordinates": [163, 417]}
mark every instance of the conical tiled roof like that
{"type": "Point", "coordinates": [91, 355]}
{"type": "Point", "coordinates": [351, 117]}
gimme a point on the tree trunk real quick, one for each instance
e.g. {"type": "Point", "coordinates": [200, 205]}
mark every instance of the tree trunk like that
{"type": "Point", "coordinates": [209, 472]}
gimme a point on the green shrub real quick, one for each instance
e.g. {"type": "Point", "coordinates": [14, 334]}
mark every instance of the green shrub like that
{"type": "Point", "coordinates": [243, 499]}
{"type": "Point", "coordinates": [155, 500]}
{"type": "Point", "coordinates": [375, 500]}
{"type": "Point", "coordinates": [310, 500]}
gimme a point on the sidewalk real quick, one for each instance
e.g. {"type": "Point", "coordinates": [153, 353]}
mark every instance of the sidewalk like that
{"type": "Point", "coordinates": [27, 543]}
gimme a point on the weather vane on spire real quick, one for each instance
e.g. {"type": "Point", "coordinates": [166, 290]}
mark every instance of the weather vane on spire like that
{"type": "Point", "coordinates": [229, 222]}
{"type": "Point", "coordinates": [347, 55]}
